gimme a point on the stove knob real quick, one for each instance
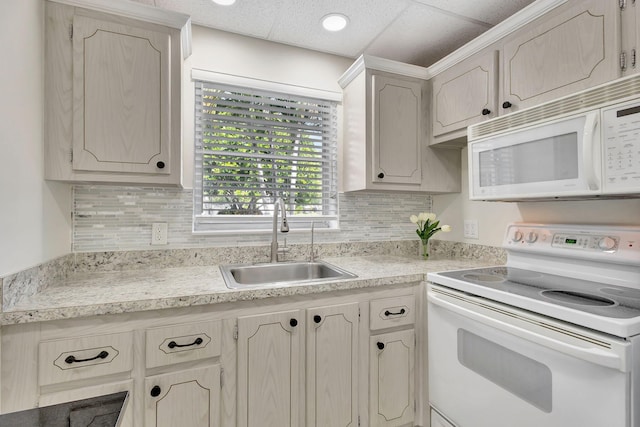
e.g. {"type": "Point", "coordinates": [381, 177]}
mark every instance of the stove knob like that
{"type": "Point", "coordinates": [532, 237]}
{"type": "Point", "coordinates": [607, 243]}
{"type": "Point", "coordinates": [517, 236]}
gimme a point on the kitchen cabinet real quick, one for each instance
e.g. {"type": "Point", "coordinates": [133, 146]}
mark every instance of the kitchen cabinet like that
{"type": "Point", "coordinates": [300, 360]}
{"type": "Point", "coordinates": [571, 48]}
{"type": "Point", "coordinates": [384, 142]}
{"type": "Point", "coordinates": [188, 397]}
{"type": "Point", "coordinates": [464, 95]}
{"type": "Point", "coordinates": [392, 381]}
{"type": "Point", "coordinates": [185, 396]}
{"type": "Point", "coordinates": [392, 357]}
{"type": "Point", "coordinates": [270, 369]}
{"type": "Point", "coordinates": [332, 366]}
{"type": "Point", "coordinates": [630, 19]}
{"type": "Point", "coordinates": [112, 95]}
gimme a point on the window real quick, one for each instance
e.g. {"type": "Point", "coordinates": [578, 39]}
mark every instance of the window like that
{"type": "Point", "coordinates": [253, 146]}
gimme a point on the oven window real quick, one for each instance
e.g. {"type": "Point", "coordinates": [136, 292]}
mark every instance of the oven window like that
{"type": "Point", "coordinates": [542, 160]}
{"type": "Point", "coordinates": [524, 377]}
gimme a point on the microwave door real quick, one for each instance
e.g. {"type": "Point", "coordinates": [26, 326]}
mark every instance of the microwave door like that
{"type": "Point", "coordinates": [554, 160]}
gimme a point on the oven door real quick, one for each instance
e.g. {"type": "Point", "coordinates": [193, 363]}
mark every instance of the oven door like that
{"type": "Point", "coordinates": [492, 365]}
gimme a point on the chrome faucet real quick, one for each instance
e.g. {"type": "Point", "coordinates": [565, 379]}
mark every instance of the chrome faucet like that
{"type": "Point", "coordinates": [284, 227]}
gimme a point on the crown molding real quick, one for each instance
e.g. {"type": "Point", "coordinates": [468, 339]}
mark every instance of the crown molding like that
{"type": "Point", "coordinates": [381, 64]}
{"type": "Point", "coordinates": [142, 12]}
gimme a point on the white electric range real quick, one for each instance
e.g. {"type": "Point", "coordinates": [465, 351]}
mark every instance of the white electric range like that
{"type": "Point", "coordinates": [550, 339]}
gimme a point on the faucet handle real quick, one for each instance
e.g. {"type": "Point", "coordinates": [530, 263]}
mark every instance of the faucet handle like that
{"type": "Point", "coordinates": [282, 250]}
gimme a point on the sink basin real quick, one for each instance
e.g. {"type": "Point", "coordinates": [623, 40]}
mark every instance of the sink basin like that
{"type": "Point", "coordinates": [252, 275]}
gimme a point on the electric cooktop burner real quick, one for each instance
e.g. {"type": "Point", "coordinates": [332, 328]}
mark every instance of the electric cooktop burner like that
{"type": "Point", "coordinates": [591, 297]}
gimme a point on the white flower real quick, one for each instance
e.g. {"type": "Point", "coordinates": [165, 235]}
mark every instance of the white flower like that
{"type": "Point", "coordinates": [413, 219]}
{"type": "Point", "coordinates": [423, 216]}
{"type": "Point", "coordinates": [446, 228]}
{"type": "Point", "coordinates": [430, 216]}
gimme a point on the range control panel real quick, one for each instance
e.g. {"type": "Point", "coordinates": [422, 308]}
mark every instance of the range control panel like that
{"type": "Point", "coordinates": [586, 242]}
{"type": "Point", "coordinates": [616, 244]}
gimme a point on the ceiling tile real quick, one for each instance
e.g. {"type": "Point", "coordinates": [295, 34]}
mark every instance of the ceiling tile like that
{"type": "Point", "coordinates": [488, 11]}
{"type": "Point", "coordinates": [415, 31]}
{"type": "Point", "coordinates": [422, 36]}
{"type": "Point", "coordinates": [301, 24]}
{"type": "Point", "coordinates": [249, 17]}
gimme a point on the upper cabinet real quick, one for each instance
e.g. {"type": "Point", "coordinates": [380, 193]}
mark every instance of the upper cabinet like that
{"type": "Point", "coordinates": [630, 20]}
{"type": "Point", "coordinates": [384, 141]}
{"type": "Point", "coordinates": [570, 48]}
{"type": "Point", "coordinates": [396, 130]}
{"type": "Point", "coordinates": [465, 94]}
{"type": "Point", "coordinates": [112, 95]}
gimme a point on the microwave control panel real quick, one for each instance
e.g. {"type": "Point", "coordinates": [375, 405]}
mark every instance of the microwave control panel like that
{"type": "Point", "coordinates": [621, 151]}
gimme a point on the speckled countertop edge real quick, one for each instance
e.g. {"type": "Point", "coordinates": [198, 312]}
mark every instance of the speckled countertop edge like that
{"type": "Point", "coordinates": [93, 293]}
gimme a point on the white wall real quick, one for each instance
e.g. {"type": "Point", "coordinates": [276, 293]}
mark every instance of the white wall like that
{"type": "Point", "coordinates": [35, 223]}
{"type": "Point", "coordinates": [237, 55]}
{"type": "Point", "coordinates": [493, 217]}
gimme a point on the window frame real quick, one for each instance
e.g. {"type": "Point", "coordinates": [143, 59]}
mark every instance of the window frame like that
{"type": "Point", "coordinates": [240, 224]}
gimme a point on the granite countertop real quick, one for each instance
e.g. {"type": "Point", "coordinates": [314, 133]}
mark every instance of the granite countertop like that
{"type": "Point", "coordinates": [113, 292]}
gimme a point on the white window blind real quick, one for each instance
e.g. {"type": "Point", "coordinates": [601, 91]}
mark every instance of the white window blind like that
{"type": "Point", "coordinates": [253, 146]}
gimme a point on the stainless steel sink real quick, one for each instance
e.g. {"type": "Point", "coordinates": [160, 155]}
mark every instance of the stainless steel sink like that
{"type": "Point", "coordinates": [292, 273]}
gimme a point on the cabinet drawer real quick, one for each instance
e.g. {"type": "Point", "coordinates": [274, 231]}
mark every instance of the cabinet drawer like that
{"type": "Point", "coordinates": [391, 312]}
{"type": "Point", "coordinates": [84, 357]}
{"type": "Point", "coordinates": [182, 343]}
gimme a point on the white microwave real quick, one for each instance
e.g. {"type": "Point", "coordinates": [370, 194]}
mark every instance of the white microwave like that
{"type": "Point", "coordinates": [593, 154]}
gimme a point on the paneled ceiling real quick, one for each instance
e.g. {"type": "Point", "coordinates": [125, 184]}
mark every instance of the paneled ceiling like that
{"type": "Point", "coordinates": [418, 32]}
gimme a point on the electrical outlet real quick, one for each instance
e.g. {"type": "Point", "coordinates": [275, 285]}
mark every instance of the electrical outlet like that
{"type": "Point", "coordinates": [159, 233]}
{"type": "Point", "coordinates": [471, 228]}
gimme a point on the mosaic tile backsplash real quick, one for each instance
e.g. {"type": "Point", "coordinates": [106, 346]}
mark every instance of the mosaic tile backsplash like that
{"type": "Point", "coordinates": [116, 218]}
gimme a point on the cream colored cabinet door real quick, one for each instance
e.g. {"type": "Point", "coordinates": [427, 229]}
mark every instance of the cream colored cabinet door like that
{"type": "Point", "coordinates": [184, 398]}
{"type": "Point", "coordinates": [332, 361]}
{"type": "Point", "coordinates": [396, 132]}
{"type": "Point", "coordinates": [465, 94]}
{"type": "Point", "coordinates": [391, 382]}
{"type": "Point", "coordinates": [121, 98]}
{"type": "Point", "coordinates": [630, 19]}
{"type": "Point", "coordinates": [571, 48]}
{"type": "Point", "coordinates": [270, 369]}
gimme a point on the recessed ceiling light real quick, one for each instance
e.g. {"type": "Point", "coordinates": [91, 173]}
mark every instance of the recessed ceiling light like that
{"type": "Point", "coordinates": [335, 22]}
{"type": "Point", "coordinates": [224, 2]}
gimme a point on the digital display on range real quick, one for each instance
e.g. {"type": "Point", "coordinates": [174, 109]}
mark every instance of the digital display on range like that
{"type": "Point", "coordinates": [570, 241]}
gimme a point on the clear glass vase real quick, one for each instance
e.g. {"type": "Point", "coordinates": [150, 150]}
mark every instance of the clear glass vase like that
{"type": "Point", "coordinates": [425, 248]}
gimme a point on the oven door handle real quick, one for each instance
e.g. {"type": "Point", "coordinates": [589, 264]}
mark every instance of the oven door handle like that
{"type": "Point", "coordinates": [533, 330]}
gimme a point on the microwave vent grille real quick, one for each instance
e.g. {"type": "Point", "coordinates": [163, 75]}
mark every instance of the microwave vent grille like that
{"type": "Point", "coordinates": [595, 97]}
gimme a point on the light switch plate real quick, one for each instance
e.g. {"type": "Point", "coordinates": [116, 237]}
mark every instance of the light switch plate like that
{"type": "Point", "coordinates": [471, 229]}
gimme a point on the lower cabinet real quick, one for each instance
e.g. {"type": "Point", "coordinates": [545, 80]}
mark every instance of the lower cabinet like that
{"type": "Point", "coordinates": [269, 369]}
{"type": "Point", "coordinates": [332, 366]}
{"type": "Point", "coordinates": [343, 360]}
{"type": "Point", "coordinates": [392, 360]}
{"type": "Point", "coordinates": [184, 398]}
